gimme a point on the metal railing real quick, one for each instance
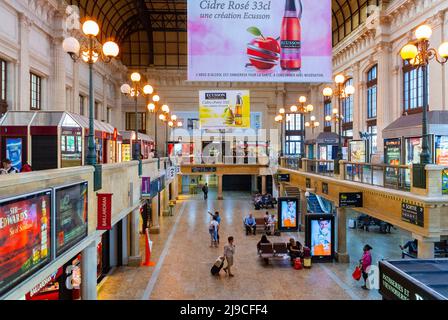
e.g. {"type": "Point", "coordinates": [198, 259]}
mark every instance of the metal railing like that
{"type": "Point", "coordinates": [382, 175]}
{"type": "Point", "coordinates": [322, 167]}
{"type": "Point", "coordinates": [292, 163]}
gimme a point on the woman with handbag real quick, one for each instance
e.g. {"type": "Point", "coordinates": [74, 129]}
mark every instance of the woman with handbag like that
{"type": "Point", "coordinates": [365, 262]}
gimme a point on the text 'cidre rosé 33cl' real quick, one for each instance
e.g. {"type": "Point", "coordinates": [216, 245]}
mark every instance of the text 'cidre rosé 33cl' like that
{"type": "Point", "coordinates": [290, 37]}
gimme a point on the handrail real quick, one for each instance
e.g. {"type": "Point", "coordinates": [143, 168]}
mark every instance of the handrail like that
{"type": "Point", "coordinates": [401, 166]}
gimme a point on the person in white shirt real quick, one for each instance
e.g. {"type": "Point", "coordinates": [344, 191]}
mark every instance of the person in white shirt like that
{"type": "Point", "coordinates": [213, 230]}
{"type": "Point", "coordinates": [229, 251]}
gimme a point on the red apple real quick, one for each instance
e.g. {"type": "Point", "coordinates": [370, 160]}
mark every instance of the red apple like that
{"type": "Point", "coordinates": [271, 49]}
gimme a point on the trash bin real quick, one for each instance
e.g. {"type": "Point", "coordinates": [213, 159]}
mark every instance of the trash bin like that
{"type": "Point", "coordinates": [306, 257]}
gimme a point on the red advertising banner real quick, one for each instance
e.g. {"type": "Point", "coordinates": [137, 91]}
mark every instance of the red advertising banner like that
{"type": "Point", "coordinates": [104, 211]}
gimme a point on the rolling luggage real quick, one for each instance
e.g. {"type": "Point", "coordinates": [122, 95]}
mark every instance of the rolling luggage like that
{"type": "Point", "coordinates": [217, 266]}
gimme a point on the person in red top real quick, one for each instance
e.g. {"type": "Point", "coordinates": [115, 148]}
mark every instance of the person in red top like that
{"type": "Point", "coordinates": [26, 168]}
{"type": "Point", "coordinates": [366, 262]}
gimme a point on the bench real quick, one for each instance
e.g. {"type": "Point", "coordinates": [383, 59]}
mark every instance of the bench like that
{"type": "Point", "coordinates": [277, 251]}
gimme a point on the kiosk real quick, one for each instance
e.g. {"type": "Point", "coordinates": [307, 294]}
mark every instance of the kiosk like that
{"type": "Point", "coordinates": [145, 141]}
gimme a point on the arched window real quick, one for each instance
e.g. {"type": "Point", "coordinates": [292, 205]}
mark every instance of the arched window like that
{"type": "Point", "coordinates": [372, 76]}
{"type": "Point", "coordinates": [413, 88]}
{"type": "Point", "coordinates": [347, 112]}
{"type": "Point", "coordinates": [293, 134]}
{"type": "Point", "coordinates": [372, 92]}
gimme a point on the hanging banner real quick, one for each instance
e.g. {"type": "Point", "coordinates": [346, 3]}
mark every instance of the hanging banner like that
{"type": "Point", "coordinates": [104, 211]}
{"type": "Point", "coordinates": [263, 40]}
{"type": "Point", "coordinates": [224, 109]}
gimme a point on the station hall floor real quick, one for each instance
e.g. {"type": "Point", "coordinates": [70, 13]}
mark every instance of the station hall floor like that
{"type": "Point", "coordinates": [183, 258]}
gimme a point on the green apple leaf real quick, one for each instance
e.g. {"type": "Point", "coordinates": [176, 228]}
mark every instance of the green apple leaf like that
{"type": "Point", "coordinates": [255, 31]}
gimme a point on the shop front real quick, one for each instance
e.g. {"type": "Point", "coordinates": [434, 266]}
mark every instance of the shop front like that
{"type": "Point", "coordinates": [15, 138]}
{"type": "Point", "coordinates": [128, 137]}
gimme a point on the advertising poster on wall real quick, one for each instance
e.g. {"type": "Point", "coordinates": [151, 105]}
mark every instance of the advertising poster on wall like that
{"type": "Point", "coordinates": [14, 152]}
{"type": "Point", "coordinates": [392, 151]}
{"type": "Point", "coordinates": [288, 214]}
{"type": "Point", "coordinates": [358, 151]}
{"type": "Point", "coordinates": [264, 40]}
{"type": "Point", "coordinates": [224, 109]}
{"type": "Point", "coordinates": [71, 215]}
{"type": "Point", "coordinates": [126, 152]}
{"type": "Point", "coordinates": [442, 150]}
{"type": "Point", "coordinates": [25, 225]}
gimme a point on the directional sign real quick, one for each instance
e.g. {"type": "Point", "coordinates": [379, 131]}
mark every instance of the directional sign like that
{"type": "Point", "coordinates": [353, 199]}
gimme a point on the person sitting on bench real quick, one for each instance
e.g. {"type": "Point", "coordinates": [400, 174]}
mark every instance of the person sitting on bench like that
{"type": "Point", "coordinates": [264, 239]}
{"type": "Point", "coordinates": [295, 250]}
{"type": "Point", "coordinates": [250, 224]}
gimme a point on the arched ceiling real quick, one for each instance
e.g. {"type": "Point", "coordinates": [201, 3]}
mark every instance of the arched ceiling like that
{"type": "Point", "coordinates": [153, 32]}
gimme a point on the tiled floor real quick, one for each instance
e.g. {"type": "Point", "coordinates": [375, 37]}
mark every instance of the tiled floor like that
{"type": "Point", "coordinates": [184, 258]}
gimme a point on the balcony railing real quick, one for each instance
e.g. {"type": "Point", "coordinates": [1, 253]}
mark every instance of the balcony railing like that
{"type": "Point", "coordinates": [382, 175]}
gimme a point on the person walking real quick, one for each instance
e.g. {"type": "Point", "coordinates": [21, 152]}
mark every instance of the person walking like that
{"type": "Point", "coordinates": [213, 230]}
{"type": "Point", "coordinates": [366, 262]}
{"type": "Point", "coordinates": [229, 252]}
{"type": "Point", "coordinates": [205, 191]}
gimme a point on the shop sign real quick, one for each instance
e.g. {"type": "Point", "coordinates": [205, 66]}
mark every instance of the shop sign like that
{"type": "Point", "coordinates": [203, 169]}
{"type": "Point", "coordinates": [412, 214]}
{"type": "Point", "coordinates": [308, 183]}
{"type": "Point", "coordinates": [115, 136]}
{"type": "Point", "coordinates": [41, 285]}
{"type": "Point", "coordinates": [284, 177]}
{"type": "Point", "coordinates": [324, 188]}
{"type": "Point", "coordinates": [395, 286]}
{"type": "Point", "coordinates": [104, 211]}
{"type": "Point", "coordinates": [170, 173]}
{"type": "Point", "coordinates": [350, 199]}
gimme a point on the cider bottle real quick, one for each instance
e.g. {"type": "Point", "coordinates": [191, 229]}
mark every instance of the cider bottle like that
{"type": "Point", "coordinates": [291, 38]}
{"type": "Point", "coordinates": [239, 111]}
{"type": "Point", "coordinates": [43, 230]}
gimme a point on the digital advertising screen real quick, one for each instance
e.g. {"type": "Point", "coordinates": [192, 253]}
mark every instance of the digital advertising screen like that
{"type": "Point", "coordinates": [14, 152]}
{"type": "Point", "coordinates": [263, 40]}
{"type": "Point", "coordinates": [288, 214]}
{"type": "Point", "coordinates": [224, 109]}
{"type": "Point", "coordinates": [320, 237]}
{"type": "Point", "coordinates": [25, 235]}
{"type": "Point", "coordinates": [71, 215]}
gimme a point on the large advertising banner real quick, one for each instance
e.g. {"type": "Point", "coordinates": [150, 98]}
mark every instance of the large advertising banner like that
{"type": "Point", "coordinates": [224, 109]}
{"type": "Point", "coordinates": [24, 237]}
{"type": "Point", "coordinates": [442, 150]}
{"type": "Point", "coordinates": [259, 40]}
{"type": "Point", "coordinates": [71, 215]}
{"type": "Point", "coordinates": [319, 236]}
{"type": "Point", "coordinates": [14, 152]}
{"type": "Point", "coordinates": [358, 151]}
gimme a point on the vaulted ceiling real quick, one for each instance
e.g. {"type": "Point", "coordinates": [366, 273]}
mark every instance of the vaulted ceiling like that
{"type": "Point", "coordinates": [154, 32]}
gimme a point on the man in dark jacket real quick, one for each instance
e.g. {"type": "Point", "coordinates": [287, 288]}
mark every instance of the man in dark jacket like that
{"type": "Point", "coordinates": [205, 191]}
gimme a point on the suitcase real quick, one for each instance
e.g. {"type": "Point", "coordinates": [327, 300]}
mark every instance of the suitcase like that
{"type": "Point", "coordinates": [217, 266]}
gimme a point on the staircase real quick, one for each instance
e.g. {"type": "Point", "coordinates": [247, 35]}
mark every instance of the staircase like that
{"type": "Point", "coordinates": [313, 204]}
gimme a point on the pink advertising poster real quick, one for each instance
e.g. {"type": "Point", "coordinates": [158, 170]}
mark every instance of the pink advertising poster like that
{"type": "Point", "coordinates": [259, 40]}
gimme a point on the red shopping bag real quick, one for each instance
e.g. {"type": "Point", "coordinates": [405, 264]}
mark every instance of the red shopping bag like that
{"type": "Point", "coordinates": [357, 273]}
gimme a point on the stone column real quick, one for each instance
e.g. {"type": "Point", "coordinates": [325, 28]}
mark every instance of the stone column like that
{"type": "Point", "coordinates": [435, 75]}
{"type": "Point", "coordinates": [341, 251]}
{"type": "Point", "coordinates": [88, 272]}
{"type": "Point", "coordinates": [124, 241]}
{"type": "Point", "coordinates": [220, 197]}
{"type": "Point", "coordinates": [263, 184]}
{"type": "Point", "coordinates": [384, 92]}
{"type": "Point", "coordinates": [357, 105]}
{"type": "Point", "coordinates": [135, 257]}
{"type": "Point", "coordinates": [303, 209]}
{"type": "Point", "coordinates": [425, 246]}
{"type": "Point", "coordinates": [166, 200]}
{"type": "Point", "coordinates": [155, 228]}
{"type": "Point", "coordinates": [24, 63]}
{"type": "Point", "coordinates": [179, 186]}
{"type": "Point", "coordinates": [58, 95]}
